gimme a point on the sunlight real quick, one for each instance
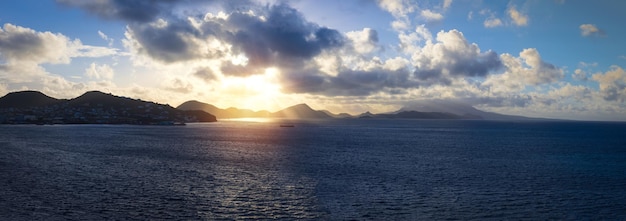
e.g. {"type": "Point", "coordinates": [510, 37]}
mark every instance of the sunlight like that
{"type": "Point", "coordinates": [240, 60]}
{"type": "Point", "coordinates": [255, 92]}
{"type": "Point", "coordinates": [250, 119]}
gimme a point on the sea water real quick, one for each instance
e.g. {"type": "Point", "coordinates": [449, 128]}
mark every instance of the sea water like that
{"type": "Point", "coordinates": [363, 169]}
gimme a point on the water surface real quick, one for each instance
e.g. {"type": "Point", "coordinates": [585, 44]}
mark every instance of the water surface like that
{"type": "Point", "coordinates": [337, 170]}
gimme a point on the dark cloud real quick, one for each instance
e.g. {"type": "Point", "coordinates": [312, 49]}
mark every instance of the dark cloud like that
{"type": "Point", "coordinates": [461, 65]}
{"type": "Point", "coordinates": [479, 66]}
{"type": "Point", "coordinates": [205, 73]}
{"type": "Point", "coordinates": [303, 81]}
{"type": "Point", "coordinates": [347, 82]}
{"type": "Point", "coordinates": [228, 68]}
{"type": "Point", "coordinates": [20, 43]}
{"type": "Point", "coordinates": [169, 43]}
{"type": "Point", "coordinates": [128, 10]}
{"type": "Point", "coordinates": [284, 35]}
{"type": "Point", "coordinates": [520, 100]}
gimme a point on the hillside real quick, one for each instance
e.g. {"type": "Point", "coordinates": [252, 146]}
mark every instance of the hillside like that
{"type": "Point", "coordinates": [301, 111]}
{"type": "Point", "coordinates": [458, 108]}
{"type": "Point", "coordinates": [26, 99]}
{"type": "Point", "coordinates": [93, 107]}
{"type": "Point", "coordinates": [222, 113]}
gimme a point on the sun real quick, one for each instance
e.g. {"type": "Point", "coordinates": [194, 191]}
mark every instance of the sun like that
{"type": "Point", "coordinates": [256, 92]}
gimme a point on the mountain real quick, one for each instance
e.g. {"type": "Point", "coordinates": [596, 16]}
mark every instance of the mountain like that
{"type": "Point", "coordinates": [420, 115]}
{"type": "Point", "coordinates": [301, 111]}
{"type": "Point", "coordinates": [462, 110]}
{"type": "Point", "coordinates": [93, 107]}
{"type": "Point", "coordinates": [222, 113]}
{"type": "Point", "coordinates": [366, 115]}
{"type": "Point", "coordinates": [100, 99]}
{"type": "Point", "coordinates": [340, 115]}
{"type": "Point", "coordinates": [26, 99]}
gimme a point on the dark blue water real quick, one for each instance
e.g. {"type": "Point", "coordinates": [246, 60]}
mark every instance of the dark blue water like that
{"type": "Point", "coordinates": [338, 170]}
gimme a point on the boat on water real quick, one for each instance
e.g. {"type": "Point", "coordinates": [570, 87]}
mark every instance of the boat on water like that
{"type": "Point", "coordinates": [287, 125]}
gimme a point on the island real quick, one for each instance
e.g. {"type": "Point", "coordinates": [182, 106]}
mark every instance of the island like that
{"type": "Point", "coordinates": [93, 107]}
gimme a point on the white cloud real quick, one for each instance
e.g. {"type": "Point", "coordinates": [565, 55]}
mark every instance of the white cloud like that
{"type": "Point", "coordinates": [452, 57]}
{"type": "Point", "coordinates": [518, 18]}
{"type": "Point", "coordinates": [590, 30]}
{"type": "Point", "coordinates": [364, 41]}
{"type": "Point", "coordinates": [99, 71]}
{"type": "Point", "coordinates": [527, 69]}
{"type": "Point", "coordinates": [106, 38]}
{"type": "Point", "coordinates": [429, 15]}
{"type": "Point", "coordinates": [492, 22]}
{"type": "Point", "coordinates": [20, 44]}
{"type": "Point", "coordinates": [398, 8]}
{"type": "Point", "coordinates": [447, 4]}
{"type": "Point", "coordinates": [612, 84]}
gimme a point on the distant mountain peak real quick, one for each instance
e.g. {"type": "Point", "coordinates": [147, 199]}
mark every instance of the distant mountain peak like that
{"type": "Point", "coordinates": [455, 107]}
{"type": "Point", "coordinates": [301, 111]}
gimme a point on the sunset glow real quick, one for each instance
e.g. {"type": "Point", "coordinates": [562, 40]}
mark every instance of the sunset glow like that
{"type": "Point", "coordinates": [554, 59]}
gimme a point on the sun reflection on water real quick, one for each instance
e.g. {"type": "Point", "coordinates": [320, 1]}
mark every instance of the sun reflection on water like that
{"type": "Point", "coordinates": [250, 119]}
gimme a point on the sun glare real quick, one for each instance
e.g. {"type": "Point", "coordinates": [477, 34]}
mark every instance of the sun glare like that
{"type": "Point", "coordinates": [257, 92]}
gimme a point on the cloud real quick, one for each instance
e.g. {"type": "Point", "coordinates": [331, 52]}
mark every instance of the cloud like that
{"type": "Point", "coordinates": [177, 85]}
{"type": "Point", "coordinates": [590, 30]}
{"type": "Point", "coordinates": [23, 50]}
{"type": "Point", "coordinates": [20, 44]}
{"type": "Point", "coordinates": [492, 22]}
{"type": "Point", "coordinates": [99, 71]}
{"type": "Point", "coordinates": [128, 10]}
{"type": "Point", "coordinates": [527, 69]}
{"type": "Point", "coordinates": [612, 84]}
{"type": "Point", "coordinates": [518, 18]}
{"type": "Point", "coordinates": [452, 56]}
{"type": "Point", "coordinates": [364, 41]}
{"type": "Point", "coordinates": [431, 16]}
{"type": "Point", "coordinates": [398, 8]}
{"type": "Point", "coordinates": [447, 4]}
{"type": "Point", "coordinates": [205, 73]}
{"type": "Point", "coordinates": [579, 75]}
{"type": "Point", "coordinates": [106, 38]}
{"type": "Point", "coordinates": [279, 35]}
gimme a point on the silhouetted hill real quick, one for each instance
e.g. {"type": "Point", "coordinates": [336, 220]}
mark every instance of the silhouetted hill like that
{"type": "Point", "coordinates": [25, 99]}
{"type": "Point", "coordinates": [366, 115]}
{"type": "Point", "coordinates": [457, 108]}
{"type": "Point", "coordinates": [100, 99]}
{"type": "Point", "coordinates": [420, 115]}
{"type": "Point", "coordinates": [93, 107]}
{"type": "Point", "coordinates": [222, 113]}
{"type": "Point", "coordinates": [300, 111]}
{"type": "Point", "coordinates": [340, 115]}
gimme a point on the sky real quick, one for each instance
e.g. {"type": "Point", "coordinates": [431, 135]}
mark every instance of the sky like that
{"type": "Point", "coordinates": [539, 58]}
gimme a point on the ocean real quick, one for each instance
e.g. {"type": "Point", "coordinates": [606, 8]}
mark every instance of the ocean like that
{"type": "Point", "coordinates": [363, 169]}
